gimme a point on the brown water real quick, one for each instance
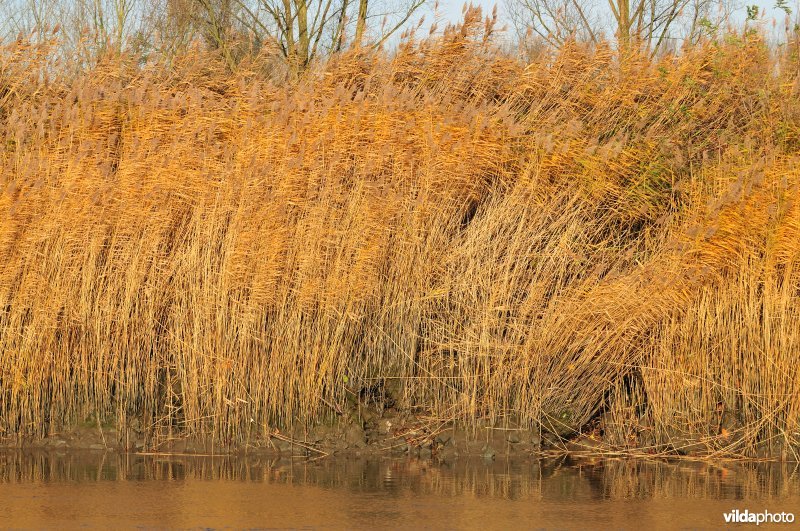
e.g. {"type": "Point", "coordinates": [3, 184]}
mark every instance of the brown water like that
{"type": "Point", "coordinates": [112, 491]}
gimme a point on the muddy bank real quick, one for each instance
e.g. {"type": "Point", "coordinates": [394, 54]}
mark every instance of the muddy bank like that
{"type": "Point", "coordinates": [368, 431]}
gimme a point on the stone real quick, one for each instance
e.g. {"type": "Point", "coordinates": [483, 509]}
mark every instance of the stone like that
{"type": "Point", "coordinates": [399, 449]}
{"type": "Point", "coordinates": [488, 453]}
{"type": "Point", "coordinates": [445, 438]}
{"type": "Point", "coordinates": [447, 453]}
{"type": "Point", "coordinates": [318, 434]}
{"type": "Point", "coordinates": [551, 441]}
{"type": "Point", "coordinates": [354, 436]}
{"type": "Point", "coordinates": [385, 426]}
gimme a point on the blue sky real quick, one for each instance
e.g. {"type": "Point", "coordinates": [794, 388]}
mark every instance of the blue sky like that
{"type": "Point", "coordinates": [771, 18]}
{"type": "Point", "coordinates": [450, 10]}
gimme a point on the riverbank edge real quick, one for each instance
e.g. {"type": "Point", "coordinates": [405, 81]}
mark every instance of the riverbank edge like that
{"type": "Point", "coordinates": [389, 435]}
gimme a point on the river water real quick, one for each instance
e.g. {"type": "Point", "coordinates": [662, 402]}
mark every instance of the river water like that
{"type": "Point", "coordinates": [71, 490]}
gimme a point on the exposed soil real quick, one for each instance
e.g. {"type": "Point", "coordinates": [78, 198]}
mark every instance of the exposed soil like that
{"type": "Point", "coordinates": [368, 431]}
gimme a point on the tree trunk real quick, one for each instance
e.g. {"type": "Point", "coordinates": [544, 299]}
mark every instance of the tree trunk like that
{"type": "Point", "coordinates": [361, 23]}
{"type": "Point", "coordinates": [303, 38]}
{"type": "Point", "coordinates": [624, 24]}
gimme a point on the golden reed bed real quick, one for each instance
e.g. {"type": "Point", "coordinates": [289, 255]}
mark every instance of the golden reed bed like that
{"type": "Point", "coordinates": [581, 241]}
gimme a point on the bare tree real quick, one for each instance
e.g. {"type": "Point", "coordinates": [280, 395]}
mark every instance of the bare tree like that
{"type": "Point", "coordinates": [555, 21]}
{"type": "Point", "coordinates": [299, 31]}
{"type": "Point", "coordinates": [304, 29]}
{"type": "Point", "coordinates": [31, 18]}
{"type": "Point", "coordinates": [172, 24]}
{"type": "Point", "coordinates": [83, 30]}
{"type": "Point", "coordinates": [637, 24]}
{"type": "Point", "coordinates": [218, 21]}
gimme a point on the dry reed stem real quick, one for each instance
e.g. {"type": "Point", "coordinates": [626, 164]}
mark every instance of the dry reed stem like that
{"type": "Point", "coordinates": [211, 255]}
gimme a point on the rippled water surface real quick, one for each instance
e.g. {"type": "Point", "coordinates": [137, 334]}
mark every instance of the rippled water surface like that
{"type": "Point", "coordinates": [103, 491]}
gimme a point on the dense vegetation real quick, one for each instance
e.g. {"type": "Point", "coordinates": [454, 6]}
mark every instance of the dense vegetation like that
{"type": "Point", "coordinates": [550, 242]}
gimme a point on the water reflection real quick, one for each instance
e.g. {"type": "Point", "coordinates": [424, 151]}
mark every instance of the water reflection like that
{"type": "Point", "coordinates": [181, 491]}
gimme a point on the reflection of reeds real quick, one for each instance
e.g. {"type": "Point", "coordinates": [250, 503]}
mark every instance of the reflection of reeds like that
{"type": "Point", "coordinates": [635, 479]}
{"type": "Point", "coordinates": [216, 255]}
{"type": "Point", "coordinates": [542, 480]}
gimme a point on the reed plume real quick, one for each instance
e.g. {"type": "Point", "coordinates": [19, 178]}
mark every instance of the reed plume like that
{"type": "Point", "coordinates": [539, 242]}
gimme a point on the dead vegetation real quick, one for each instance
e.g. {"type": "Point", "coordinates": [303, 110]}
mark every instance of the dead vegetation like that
{"type": "Point", "coordinates": [582, 237]}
